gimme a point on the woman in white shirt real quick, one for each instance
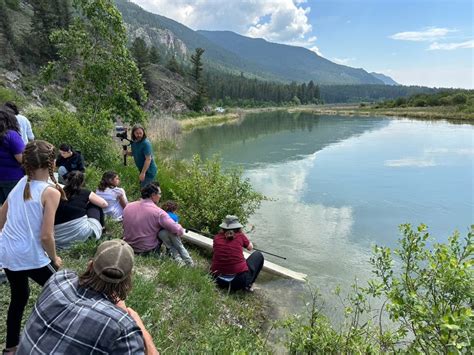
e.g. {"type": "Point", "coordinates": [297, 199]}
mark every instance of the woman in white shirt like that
{"type": "Point", "coordinates": [27, 245]}
{"type": "Point", "coordinates": [115, 196]}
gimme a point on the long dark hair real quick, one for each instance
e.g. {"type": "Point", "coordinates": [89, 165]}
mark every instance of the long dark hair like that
{"type": "Point", "coordinates": [134, 128]}
{"type": "Point", "coordinates": [8, 122]}
{"type": "Point", "coordinates": [74, 183]}
{"type": "Point", "coordinates": [107, 180]}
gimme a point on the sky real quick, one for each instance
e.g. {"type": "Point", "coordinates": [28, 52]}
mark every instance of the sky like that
{"type": "Point", "coordinates": [415, 42]}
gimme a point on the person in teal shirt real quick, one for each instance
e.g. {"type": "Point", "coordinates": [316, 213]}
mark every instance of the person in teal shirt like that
{"type": "Point", "coordinates": [142, 153]}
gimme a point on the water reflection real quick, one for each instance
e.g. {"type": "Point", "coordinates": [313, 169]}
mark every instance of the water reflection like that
{"type": "Point", "coordinates": [341, 184]}
{"type": "Point", "coordinates": [274, 137]}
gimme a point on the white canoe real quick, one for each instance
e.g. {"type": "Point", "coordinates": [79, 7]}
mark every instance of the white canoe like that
{"type": "Point", "coordinates": [268, 266]}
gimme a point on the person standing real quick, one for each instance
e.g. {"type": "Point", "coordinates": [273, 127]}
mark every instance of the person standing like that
{"type": "Point", "coordinates": [143, 220]}
{"type": "Point", "coordinates": [25, 126]}
{"type": "Point", "coordinates": [27, 246]}
{"type": "Point", "coordinates": [68, 160]}
{"type": "Point", "coordinates": [11, 150]}
{"type": "Point", "coordinates": [87, 314]}
{"type": "Point", "coordinates": [142, 153]}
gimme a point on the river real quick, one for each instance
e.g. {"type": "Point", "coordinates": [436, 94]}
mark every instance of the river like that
{"type": "Point", "coordinates": [339, 185]}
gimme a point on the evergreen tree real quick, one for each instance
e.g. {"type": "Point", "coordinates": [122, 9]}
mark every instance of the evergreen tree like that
{"type": "Point", "coordinates": [139, 51]}
{"type": "Point", "coordinates": [174, 66]}
{"type": "Point", "coordinates": [199, 101]}
{"type": "Point", "coordinates": [154, 55]}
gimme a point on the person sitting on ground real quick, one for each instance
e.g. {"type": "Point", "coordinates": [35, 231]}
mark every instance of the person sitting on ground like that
{"type": "Point", "coordinates": [229, 266]}
{"type": "Point", "coordinates": [143, 220]}
{"type": "Point", "coordinates": [25, 126]}
{"type": "Point", "coordinates": [79, 217]}
{"type": "Point", "coordinates": [115, 196]}
{"type": "Point", "coordinates": [171, 241]}
{"type": "Point", "coordinates": [87, 314]}
{"type": "Point", "coordinates": [11, 149]}
{"type": "Point", "coordinates": [68, 160]}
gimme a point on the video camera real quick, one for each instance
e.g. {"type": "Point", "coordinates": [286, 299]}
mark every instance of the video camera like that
{"type": "Point", "coordinates": [122, 133]}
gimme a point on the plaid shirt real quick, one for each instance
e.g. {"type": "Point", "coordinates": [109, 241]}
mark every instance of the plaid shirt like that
{"type": "Point", "coordinates": [68, 319]}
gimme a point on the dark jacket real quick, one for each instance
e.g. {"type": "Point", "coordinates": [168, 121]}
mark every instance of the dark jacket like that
{"type": "Point", "coordinates": [74, 162]}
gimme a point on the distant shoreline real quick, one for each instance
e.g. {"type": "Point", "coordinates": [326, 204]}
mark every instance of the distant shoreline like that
{"type": "Point", "coordinates": [423, 113]}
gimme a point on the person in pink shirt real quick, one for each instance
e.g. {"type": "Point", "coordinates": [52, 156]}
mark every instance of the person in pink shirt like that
{"type": "Point", "coordinates": [143, 220]}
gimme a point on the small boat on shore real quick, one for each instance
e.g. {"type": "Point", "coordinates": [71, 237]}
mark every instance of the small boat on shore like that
{"type": "Point", "coordinates": [272, 268]}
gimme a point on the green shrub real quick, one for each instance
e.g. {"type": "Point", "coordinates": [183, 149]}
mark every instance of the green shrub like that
{"type": "Point", "coordinates": [11, 95]}
{"type": "Point", "coordinates": [459, 99]}
{"type": "Point", "coordinates": [207, 194]}
{"type": "Point", "coordinates": [90, 136]}
{"type": "Point", "coordinates": [427, 293]}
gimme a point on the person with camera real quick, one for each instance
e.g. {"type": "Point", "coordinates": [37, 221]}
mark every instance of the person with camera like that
{"type": "Point", "coordinates": [142, 153]}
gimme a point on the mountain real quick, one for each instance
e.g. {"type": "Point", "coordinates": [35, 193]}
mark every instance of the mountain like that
{"type": "Point", "coordinates": [384, 78]}
{"type": "Point", "coordinates": [289, 62]}
{"type": "Point", "coordinates": [228, 51]}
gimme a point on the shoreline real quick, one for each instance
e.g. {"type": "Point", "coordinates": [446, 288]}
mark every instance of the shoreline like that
{"type": "Point", "coordinates": [423, 113]}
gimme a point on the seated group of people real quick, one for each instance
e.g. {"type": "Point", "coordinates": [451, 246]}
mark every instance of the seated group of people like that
{"type": "Point", "coordinates": [87, 313]}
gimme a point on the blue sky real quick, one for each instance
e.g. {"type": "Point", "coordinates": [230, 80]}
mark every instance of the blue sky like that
{"type": "Point", "coordinates": [416, 42]}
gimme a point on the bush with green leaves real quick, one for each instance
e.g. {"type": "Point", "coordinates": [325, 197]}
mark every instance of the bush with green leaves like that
{"type": "Point", "coordinates": [92, 137]}
{"type": "Point", "coordinates": [207, 193]}
{"type": "Point", "coordinates": [427, 293]}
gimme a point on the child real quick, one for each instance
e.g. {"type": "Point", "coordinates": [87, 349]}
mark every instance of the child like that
{"type": "Point", "coordinates": [27, 245]}
{"type": "Point", "coordinates": [115, 196]}
{"type": "Point", "coordinates": [172, 242]}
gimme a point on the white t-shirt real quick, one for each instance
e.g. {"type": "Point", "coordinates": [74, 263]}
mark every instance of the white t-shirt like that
{"type": "Point", "coordinates": [112, 195]}
{"type": "Point", "coordinates": [25, 128]}
{"type": "Point", "coordinates": [20, 239]}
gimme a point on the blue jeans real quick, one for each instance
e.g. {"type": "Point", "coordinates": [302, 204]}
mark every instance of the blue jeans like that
{"type": "Point", "coordinates": [175, 247]}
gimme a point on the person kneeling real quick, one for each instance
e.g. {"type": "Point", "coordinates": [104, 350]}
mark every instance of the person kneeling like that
{"type": "Point", "coordinates": [86, 314]}
{"type": "Point", "coordinates": [229, 266]}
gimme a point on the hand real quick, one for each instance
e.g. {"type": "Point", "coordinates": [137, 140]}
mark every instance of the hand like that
{"type": "Point", "coordinates": [142, 177]}
{"type": "Point", "coordinates": [58, 262]}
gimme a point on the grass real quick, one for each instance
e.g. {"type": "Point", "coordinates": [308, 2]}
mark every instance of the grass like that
{"type": "Point", "coordinates": [180, 306]}
{"type": "Point", "coordinates": [429, 112]}
{"type": "Point", "coordinates": [190, 123]}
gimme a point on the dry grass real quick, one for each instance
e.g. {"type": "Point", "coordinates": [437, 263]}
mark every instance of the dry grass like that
{"type": "Point", "coordinates": [201, 121]}
{"type": "Point", "coordinates": [165, 128]}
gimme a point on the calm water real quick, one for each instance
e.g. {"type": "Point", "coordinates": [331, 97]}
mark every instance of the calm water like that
{"type": "Point", "coordinates": [341, 184]}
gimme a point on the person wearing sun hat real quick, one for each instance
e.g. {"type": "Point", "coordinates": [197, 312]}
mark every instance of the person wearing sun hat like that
{"type": "Point", "coordinates": [229, 266]}
{"type": "Point", "coordinates": [87, 313]}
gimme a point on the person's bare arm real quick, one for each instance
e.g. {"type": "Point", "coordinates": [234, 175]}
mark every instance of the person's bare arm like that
{"type": "Point", "coordinates": [150, 348]}
{"type": "Point", "coordinates": [146, 165]}
{"type": "Point", "coordinates": [97, 200]}
{"type": "Point", "coordinates": [50, 201]}
{"type": "Point", "coordinates": [3, 214]}
{"type": "Point", "coordinates": [250, 246]}
{"type": "Point", "coordinates": [19, 157]}
{"type": "Point", "coordinates": [123, 201]}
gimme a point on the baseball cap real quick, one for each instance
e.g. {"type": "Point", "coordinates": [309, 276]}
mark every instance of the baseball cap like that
{"type": "Point", "coordinates": [113, 261]}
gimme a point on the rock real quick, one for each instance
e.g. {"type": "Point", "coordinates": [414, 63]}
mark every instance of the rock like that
{"type": "Point", "coordinates": [12, 76]}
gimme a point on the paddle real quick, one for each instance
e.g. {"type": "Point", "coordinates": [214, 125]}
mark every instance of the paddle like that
{"type": "Point", "coordinates": [211, 236]}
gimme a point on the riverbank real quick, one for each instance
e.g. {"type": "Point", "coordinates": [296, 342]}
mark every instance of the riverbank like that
{"type": "Point", "coordinates": [431, 113]}
{"type": "Point", "coordinates": [180, 306]}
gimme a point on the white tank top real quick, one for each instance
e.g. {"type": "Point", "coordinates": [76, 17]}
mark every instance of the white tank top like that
{"type": "Point", "coordinates": [20, 244]}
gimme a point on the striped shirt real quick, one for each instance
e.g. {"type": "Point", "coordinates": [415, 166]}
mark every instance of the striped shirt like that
{"type": "Point", "coordinates": [69, 319]}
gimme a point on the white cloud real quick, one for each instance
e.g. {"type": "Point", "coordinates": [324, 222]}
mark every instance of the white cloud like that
{"type": "Point", "coordinates": [429, 34]}
{"type": "Point", "coordinates": [282, 21]}
{"type": "Point", "coordinates": [437, 76]}
{"type": "Point", "coordinates": [316, 50]}
{"type": "Point", "coordinates": [343, 61]}
{"type": "Point", "coordinates": [451, 46]}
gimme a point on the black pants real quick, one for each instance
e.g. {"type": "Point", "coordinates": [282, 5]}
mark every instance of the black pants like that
{"type": "Point", "coordinates": [95, 212]}
{"type": "Point", "coordinates": [20, 292]}
{"type": "Point", "coordinates": [247, 278]}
